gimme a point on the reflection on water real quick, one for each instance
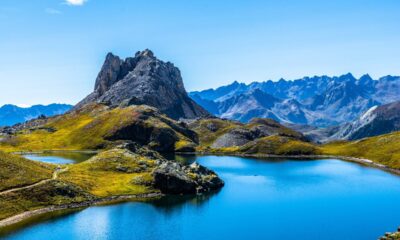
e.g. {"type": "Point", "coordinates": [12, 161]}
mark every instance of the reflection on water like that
{"type": "Point", "coordinates": [60, 157]}
{"type": "Point", "coordinates": [262, 199]}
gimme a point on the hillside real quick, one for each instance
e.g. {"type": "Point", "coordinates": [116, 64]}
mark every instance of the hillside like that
{"type": "Point", "coordinates": [259, 136]}
{"type": "Point", "coordinates": [383, 149]}
{"type": "Point", "coordinates": [376, 121]}
{"type": "Point", "coordinates": [17, 171]}
{"type": "Point", "coordinates": [126, 171]}
{"type": "Point", "coordinates": [96, 126]}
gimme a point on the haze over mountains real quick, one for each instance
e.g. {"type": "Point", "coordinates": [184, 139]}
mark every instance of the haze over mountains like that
{"type": "Point", "coordinates": [319, 101]}
{"type": "Point", "coordinates": [11, 114]}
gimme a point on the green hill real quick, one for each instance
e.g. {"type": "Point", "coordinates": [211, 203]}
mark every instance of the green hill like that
{"type": "Point", "coordinates": [259, 136]}
{"type": "Point", "coordinates": [383, 149]}
{"type": "Point", "coordinates": [97, 126]}
{"type": "Point", "coordinates": [16, 171]}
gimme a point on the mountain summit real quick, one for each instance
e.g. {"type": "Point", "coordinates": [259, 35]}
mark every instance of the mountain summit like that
{"type": "Point", "coordinates": [146, 80]}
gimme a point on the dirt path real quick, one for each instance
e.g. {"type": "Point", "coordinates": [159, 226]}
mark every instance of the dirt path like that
{"type": "Point", "coordinates": [54, 177]}
{"type": "Point", "coordinates": [22, 216]}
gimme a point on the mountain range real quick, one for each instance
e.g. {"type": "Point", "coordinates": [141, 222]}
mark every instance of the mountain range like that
{"type": "Point", "coordinates": [320, 101]}
{"type": "Point", "coordinates": [12, 114]}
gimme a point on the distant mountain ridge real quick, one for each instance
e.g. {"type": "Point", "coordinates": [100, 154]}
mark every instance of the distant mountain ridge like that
{"type": "Point", "coordinates": [377, 120]}
{"type": "Point", "coordinates": [12, 114]}
{"type": "Point", "coordinates": [319, 101]}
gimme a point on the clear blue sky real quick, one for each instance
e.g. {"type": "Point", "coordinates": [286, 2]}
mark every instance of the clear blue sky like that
{"type": "Point", "coordinates": [51, 51]}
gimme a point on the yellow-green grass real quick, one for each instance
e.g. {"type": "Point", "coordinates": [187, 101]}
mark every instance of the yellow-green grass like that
{"type": "Point", "coordinates": [274, 126]}
{"type": "Point", "coordinates": [383, 149]}
{"type": "Point", "coordinates": [50, 193]}
{"type": "Point", "coordinates": [274, 145]}
{"type": "Point", "coordinates": [207, 136]}
{"type": "Point", "coordinates": [209, 130]}
{"type": "Point", "coordinates": [113, 172]}
{"type": "Point", "coordinates": [391, 236]}
{"type": "Point", "coordinates": [88, 128]}
{"type": "Point", "coordinates": [16, 171]}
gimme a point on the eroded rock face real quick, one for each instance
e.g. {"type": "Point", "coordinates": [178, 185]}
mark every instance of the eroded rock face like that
{"type": "Point", "coordinates": [174, 178]}
{"type": "Point", "coordinates": [236, 137]}
{"type": "Point", "coordinates": [146, 80]}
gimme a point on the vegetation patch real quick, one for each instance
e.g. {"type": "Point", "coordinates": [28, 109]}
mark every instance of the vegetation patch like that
{"type": "Point", "coordinates": [113, 172]}
{"type": "Point", "coordinates": [16, 171]}
{"type": "Point", "coordinates": [96, 126]}
{"type": "Point", "coordinates": [383, 149]}
{"type": "Point", "coordinates": [52, 193]}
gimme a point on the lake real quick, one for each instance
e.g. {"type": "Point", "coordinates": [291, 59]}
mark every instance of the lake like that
{"type": "Point", "coordinates": [60, 157]}
{"type": "Point", "coordinates": [262, 199]}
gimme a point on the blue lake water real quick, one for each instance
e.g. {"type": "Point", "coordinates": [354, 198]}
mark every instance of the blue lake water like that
{"type": "Point", "coordinates": [262, 199]}
{"type": "Point", "coordinates": [60, 157]}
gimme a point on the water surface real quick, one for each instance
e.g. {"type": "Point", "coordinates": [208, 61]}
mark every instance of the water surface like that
{"type": "Point", "coordinates": [279, 199]}
{"type": "Point", "coordinates": [60, 157]}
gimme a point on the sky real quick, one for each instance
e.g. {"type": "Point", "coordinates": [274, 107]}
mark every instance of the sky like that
{"type": "Point", "coordinates": [52, 50]}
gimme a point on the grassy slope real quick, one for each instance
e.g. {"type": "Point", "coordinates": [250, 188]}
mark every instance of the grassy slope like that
{"type": "Point", "coordinates": [45, 195]}
{"type": "Point", "coordinates": [207, 136]}
{"type": "Point", "coordinates": [284, 141]}
{"type": "Point", "coordinates": [279, 145]}
{"type": "Point", "coordinates": [384, 149]}
{"type": "Point", "coordinates": [114, 172]}
{"type": "Point", "coordinates": [16, 171]}
{"type": "Point", "coordinates": [110, 173]}
{"type": "Point", "coordinates": [88, 128]}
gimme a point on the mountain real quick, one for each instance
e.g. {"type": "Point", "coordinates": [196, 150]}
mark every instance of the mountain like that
{"type": "Point", "coordinates": [143, 79]}
{"type": "Point", "coordinates": [320, 101]}
{"type": "Point", "coordinates": [377, 120]}
{"type": "Point", "coordinates": [11, 114]}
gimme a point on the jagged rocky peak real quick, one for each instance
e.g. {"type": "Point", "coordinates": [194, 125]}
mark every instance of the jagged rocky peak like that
{"type": "Point", "coordinates": [143, 79]}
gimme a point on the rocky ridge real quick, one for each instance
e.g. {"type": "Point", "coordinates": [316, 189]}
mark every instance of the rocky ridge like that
{"type": "Point", "coordinates": [319, 101]}
{"type": "Point", "coordinates": [143, 79]}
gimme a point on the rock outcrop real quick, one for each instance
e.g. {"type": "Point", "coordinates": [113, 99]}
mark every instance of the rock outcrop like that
{"type": "Point", "coordinates": [174, 178]}
{"type": "Point", "coordinates": [377, 120]}
{"type": "Point", "coordinates": [143, 80]}
{"type": "Point", "coordinates": [219, 133]}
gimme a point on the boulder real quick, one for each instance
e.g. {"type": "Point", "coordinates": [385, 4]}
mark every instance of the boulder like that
{"type": "Point", "coordinates": [174, 178]}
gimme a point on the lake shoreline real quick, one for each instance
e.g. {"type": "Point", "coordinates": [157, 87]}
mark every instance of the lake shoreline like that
{"type": "Point", "coordinates": [108, 200]}
{"type": "Point", "coordinates": [29, 214]}
{"type": "Point", "coordinates": [362, 161]}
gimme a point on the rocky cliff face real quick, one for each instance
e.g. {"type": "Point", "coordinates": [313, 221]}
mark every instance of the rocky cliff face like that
{"type": "Point", "coordinates": [146, 80]}
{"type": "Point", "coordinates": [376, 121]}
